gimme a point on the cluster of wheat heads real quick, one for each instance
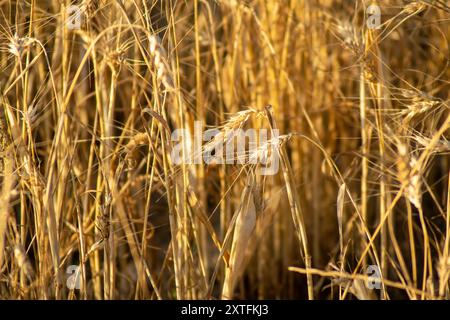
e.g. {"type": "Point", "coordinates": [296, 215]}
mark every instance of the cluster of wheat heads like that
{"type": "Point", "coordinates": [93, 205]}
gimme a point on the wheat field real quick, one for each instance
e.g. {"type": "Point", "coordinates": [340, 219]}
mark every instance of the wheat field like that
{"type": "Point", "coordinates": [94, 204]}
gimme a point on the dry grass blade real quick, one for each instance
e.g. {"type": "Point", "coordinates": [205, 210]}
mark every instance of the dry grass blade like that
{"type": "Point", "coordinates": [243, 231]}
{"type": "Point", "coordinates": [340, 215]}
